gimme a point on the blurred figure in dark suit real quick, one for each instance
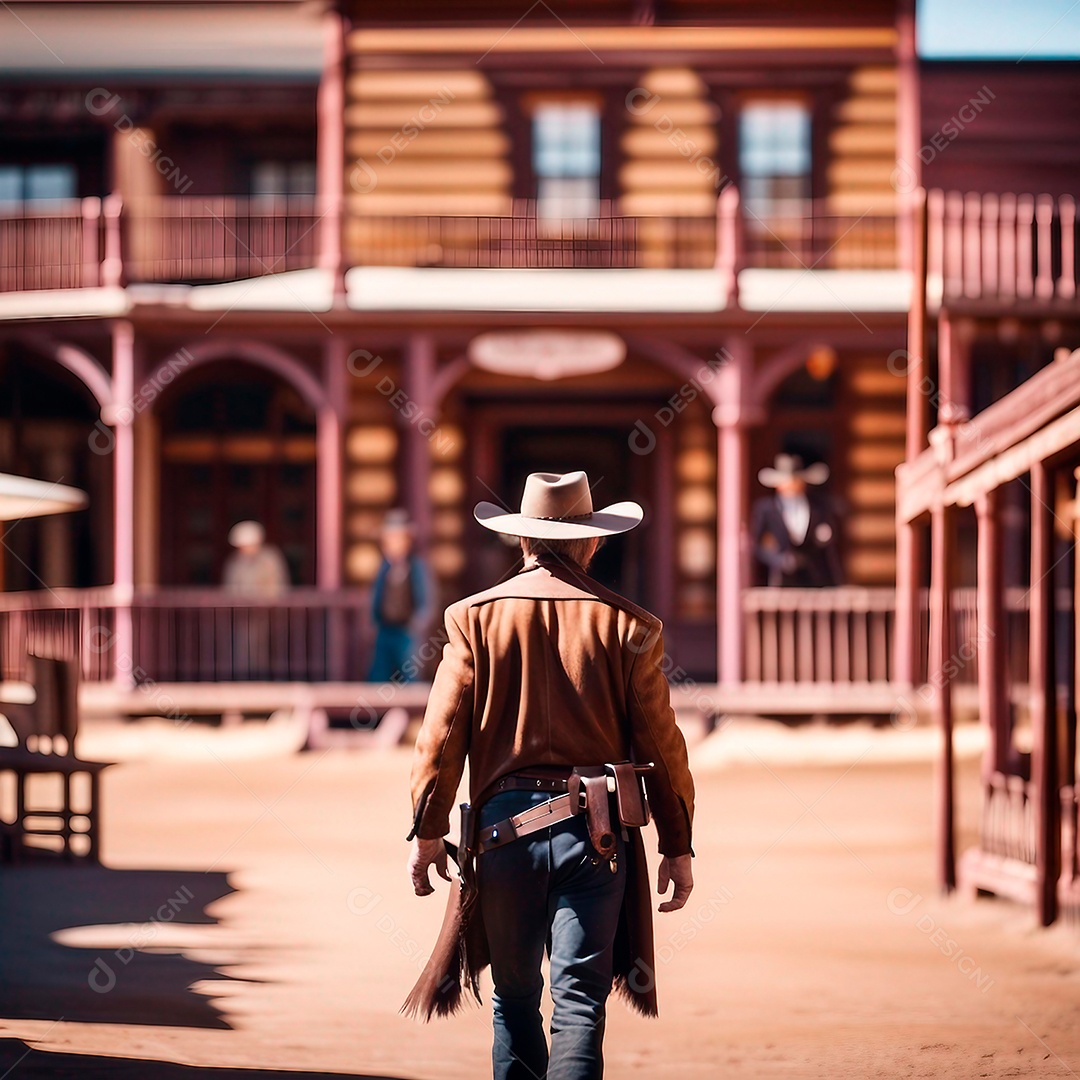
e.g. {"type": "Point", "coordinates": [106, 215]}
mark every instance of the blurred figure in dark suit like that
{"type": "Point", "coordinates": [794, 529]}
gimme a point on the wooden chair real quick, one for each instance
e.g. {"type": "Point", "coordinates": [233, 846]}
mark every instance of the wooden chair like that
{"type": "Point", "coordinates": [45, 733]}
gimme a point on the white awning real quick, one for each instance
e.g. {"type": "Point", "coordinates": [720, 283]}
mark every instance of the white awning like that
{"type": "Point", "coordinates": [21, 497]}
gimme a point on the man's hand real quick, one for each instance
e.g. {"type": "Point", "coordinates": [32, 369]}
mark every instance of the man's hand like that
{"type": "Point", "coordinates": [674, 869]}
{"type": "Point", "coordinates": [425, 853]}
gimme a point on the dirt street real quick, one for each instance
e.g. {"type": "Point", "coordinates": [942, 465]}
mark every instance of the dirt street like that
{"type": "Point", "coordinates": [256, 914]}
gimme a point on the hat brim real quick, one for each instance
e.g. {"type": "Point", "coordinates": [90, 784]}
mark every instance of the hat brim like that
{"type": "Point", "coordinates": [612, 520]}
{"type": "Point", "coordinates": [814, 474]}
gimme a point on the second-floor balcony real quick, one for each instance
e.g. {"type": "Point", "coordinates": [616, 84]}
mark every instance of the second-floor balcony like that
{"type": "Point", "coordinates": [197, 239]}
{"type": "Point", "coordinates": [85, 243]}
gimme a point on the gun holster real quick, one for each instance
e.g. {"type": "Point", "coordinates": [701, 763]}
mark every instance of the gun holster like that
{"type": "Point", "coordinates": [589, 788]}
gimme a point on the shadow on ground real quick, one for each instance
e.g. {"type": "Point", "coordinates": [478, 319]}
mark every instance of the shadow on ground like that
{"type": "Point", "coordinates": [24, 1063]}
{"type": "Point", "coordinates": [133, 972]}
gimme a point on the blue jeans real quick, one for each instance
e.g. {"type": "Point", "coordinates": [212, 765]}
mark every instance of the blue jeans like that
{"type": "Point", "coordinates": [393, 645]}
{"type": "Point", "coordinates": [544, 891]}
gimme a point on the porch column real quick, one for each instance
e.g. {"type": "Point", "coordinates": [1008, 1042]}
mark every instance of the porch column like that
{"type": "Point", "coordinates": [908, 173]}
{"type": "Point", "coordinates": [329, 466]}
{"type": "Point", "coordinates": [330, 180]}
{"type": "Point", "coordinates": [121, 416]}
{"type": "Point", "coordinates": [1043, 690]}
{"type": "Point", "coordinates": [954, 371]}
{"type": "Point", "coordinates": [731, 416]}
{"type": "Point", "coordinates": [906, 660]}
{"type": "Point", "coordinates": [941, 555]}
{"type": "Point", "coordinates": [908, 546]}
{"type": "Point", "coordinates": [990, 632]}
{"type": "Point", "coordinates": [418, 376]}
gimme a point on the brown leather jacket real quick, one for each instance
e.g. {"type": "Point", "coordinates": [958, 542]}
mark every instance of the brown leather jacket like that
{"type": "Point", "coordinates": [550, 668]}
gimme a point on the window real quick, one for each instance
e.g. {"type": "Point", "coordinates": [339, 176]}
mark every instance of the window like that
{"type": "Point", "coordinates": [31, 183]}
{"type": "Point", "coordinates": [566, 160]}
{"type": "Point", "coordinates": [277, 178]}
{"type": "Point", "coordinates": [774, 159]}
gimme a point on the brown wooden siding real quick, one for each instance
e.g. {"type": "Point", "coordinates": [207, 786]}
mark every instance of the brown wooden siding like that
{"type": "Point", "coordinates": [862, 144]}
{"type": "Point", "coordinates": [422, 142]}
{"type": "Point", "coordinates": [371, 484]}
{"type": "Point", "coordinates": [873, 415]}
{"type": "Point", "coordinates": [1001, 126]}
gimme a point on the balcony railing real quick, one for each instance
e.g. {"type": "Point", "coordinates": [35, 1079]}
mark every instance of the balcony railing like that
{"type": "Point", "coordinates": [816, 238]}
{"type": "Point", "coordinates": [50, 245]}
{"type": "Point", "coordinates": [1001, 248]}
{"type": "Point", "coordinates": [187, 238]}
{"type": "Point", "coordinates": [192, 239]}
{"type": "Point", "coordinates": [199, 635]}
{"type": "Point", "coordinates": [523, 240]}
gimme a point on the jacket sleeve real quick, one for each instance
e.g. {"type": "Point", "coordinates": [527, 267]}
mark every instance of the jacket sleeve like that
{"type": "Point", "coordinates": [656, 737]}
{"type": "Point", "coordinates": [443, 742]}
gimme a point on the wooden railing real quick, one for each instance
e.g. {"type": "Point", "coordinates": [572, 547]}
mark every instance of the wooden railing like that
{"type": "Point", "coordinates": [819, 239]}
{"type": "Point", "coordinates": [188, 238]}
{"type": "Point", "coordinates": [845, 635]}
{"type": "Point", "coordinates": [1008, 818]}
{"type": "Point", "coordinates": [202, 635]}
{"type": "Point", "coordinates": [1005, 248]}
{"type": "Point", "coordinates": [520, 239]}
{"type": "Point", "coordinates": [842, 635]}
{"type": "Point", "coordinates": [814, 239]}
{"type": "Point", "coordinates": [185, 238]}
{"type": "Point", "coordinates": [50, 245]}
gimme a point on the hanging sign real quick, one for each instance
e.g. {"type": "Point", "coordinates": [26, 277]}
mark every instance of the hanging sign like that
{"type": "Point", "coordinates": [547, 354]}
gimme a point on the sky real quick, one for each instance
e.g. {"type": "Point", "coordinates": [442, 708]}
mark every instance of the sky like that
{"type": "Point", "coordinates": [1010, 29]}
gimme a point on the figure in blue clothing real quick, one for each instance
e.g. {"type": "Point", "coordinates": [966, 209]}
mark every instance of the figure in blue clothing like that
{"type": "Point", "coordinates": [400, 600]}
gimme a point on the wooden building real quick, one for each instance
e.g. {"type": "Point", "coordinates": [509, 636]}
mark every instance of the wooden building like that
{"type": "Point", "coordinates": [312, 261]}
{"type": "Point", "coordinates": [987, 498]}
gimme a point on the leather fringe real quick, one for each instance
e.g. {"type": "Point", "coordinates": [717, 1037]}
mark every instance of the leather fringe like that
{"type": "Point", "coordinates": [439, 990]}
{"type": "Point", "coordinates": [644, 1004]}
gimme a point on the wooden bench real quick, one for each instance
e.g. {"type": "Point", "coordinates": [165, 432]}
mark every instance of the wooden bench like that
{"type": "Point", "coordinates": [45, 733]}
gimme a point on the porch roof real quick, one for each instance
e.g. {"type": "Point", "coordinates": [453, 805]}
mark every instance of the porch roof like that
{"type": "Point", "coordinates": [60, 40]}
{"type": "Point", "coordinates": [375, 288]}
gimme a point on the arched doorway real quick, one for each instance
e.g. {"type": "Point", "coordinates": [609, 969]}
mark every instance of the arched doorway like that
{"type": "Point", "coordinates": [48, 428]}
{"type": "Point", "coordinates": [237, 443]}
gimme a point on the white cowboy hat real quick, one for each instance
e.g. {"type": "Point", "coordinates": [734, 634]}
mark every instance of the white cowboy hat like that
{"type": "Point", "coordinates": [247, 534]}
{"type": "Point", "coordinates": [790, 467]}
{"type": "Point", "coordinates": [558, 506]}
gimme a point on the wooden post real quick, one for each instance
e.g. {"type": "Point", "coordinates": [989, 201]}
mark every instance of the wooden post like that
{"type": "Point", "coordinates": [729, 242]}
{"type": "Point", "coordinates": [908, 172]}
{"type": "Point", "coordinates": [112, 263]}
{"type": "Point", "coordinates": [330, 180]}
{"type": "Point", "coordinates": [419, 374]}
{"type": "Point", "coordinates": [938, 672]}
{"type": "Point", "coordinates": [90, 272]}
{"type": "Point", "coordinates": [991, 638]}
{"type": "Point", "coordinates": [329, 466]}
{"type": "Point", "coordinates": [1044, 765]}
{"type": "Point", "coordinates": [907, 541]}
{"type": "Point", "coordinates": [731, 417]}
{"type": "Point", "coordinates": [122, 417]}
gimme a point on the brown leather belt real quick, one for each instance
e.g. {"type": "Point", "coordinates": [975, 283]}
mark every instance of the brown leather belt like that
{"type": "Point", "coordinates": [587, 789]}
{"type": "Point", "coordinates": [527, 782]}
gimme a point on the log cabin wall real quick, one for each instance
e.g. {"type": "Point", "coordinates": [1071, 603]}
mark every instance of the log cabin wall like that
{"type": "Point", "coordinates": [861, 165]}
{"type": "Point", "coordinates": [419, 142]}
{"type": "Point", "coordinates": [371, 483]}
{"type": "Point", "coordinates": [670, 153]}
{"type": "Point", "coordinates": [862, 143]}
{"type": "Point", "coordinates": [375, 479]}
{"type": "Point", "coordinates": [872, 402]}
